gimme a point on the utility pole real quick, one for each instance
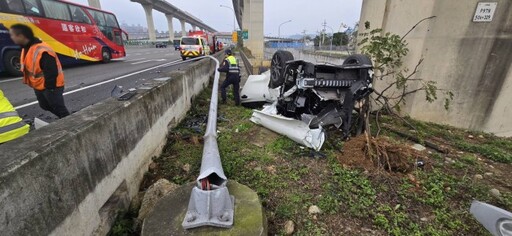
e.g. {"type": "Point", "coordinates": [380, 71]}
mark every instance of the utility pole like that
{"type": "Point", "coordinates": [323, 31]}
{"type": "Point", "coordinates": [303, 39]}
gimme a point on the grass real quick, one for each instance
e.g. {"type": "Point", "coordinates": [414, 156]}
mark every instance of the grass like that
{"type": "Point", "coordinates": [289, 179]}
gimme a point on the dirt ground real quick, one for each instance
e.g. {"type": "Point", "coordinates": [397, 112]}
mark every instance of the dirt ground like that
{"type": "Point", "coordinates": [400, 191]}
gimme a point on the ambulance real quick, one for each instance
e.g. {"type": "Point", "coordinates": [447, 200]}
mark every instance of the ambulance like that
{"type": "Point", "coordinates": [193, 46]}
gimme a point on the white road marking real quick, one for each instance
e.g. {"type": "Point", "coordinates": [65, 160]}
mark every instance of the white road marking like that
{"type": "Point", "coordinates": [105, 82]}
{"type": "Point", "coordinates": [138, 59]}
{"type": "Point", "coordinates": [9, 80]}
{"type": "Point", "coordinates": [140, 62]}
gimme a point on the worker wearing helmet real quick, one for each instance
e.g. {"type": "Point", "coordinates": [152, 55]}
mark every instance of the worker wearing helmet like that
{"type": "Point", "coordinates": [11, 124]}
{"type": "Point", "coordinates": [230, 66]}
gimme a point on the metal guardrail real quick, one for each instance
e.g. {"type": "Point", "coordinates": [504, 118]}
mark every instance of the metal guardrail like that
{"type": "Point", "coordinates": [247, 63]}
{"type": "Point", "coordinates": [210, 203]}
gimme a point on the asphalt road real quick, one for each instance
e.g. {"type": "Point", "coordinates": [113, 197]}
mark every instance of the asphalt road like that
{"type": "Point", "coordinates": [92, 83]}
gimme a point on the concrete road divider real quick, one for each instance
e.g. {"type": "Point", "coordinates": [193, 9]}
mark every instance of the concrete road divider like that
{"type": "Point", "coordinates": [72, 176]}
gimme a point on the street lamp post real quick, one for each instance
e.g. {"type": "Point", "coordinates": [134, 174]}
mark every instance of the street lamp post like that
{"type": "Point", "coordinates": [234, 16]}
{"type": "Point", "coordinates": [332, 39]}
{"type": "Point", "coordinates": [279, 29]}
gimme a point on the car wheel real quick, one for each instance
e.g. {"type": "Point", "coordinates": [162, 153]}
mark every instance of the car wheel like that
{"type": "Point", "coordinates": [357, 59]}
{"type": "Point", "coordinates": [12, 63]}
{"type": "Point", "coordinates": [278, 70]}
{"type": "Point", "coordinates": [105, 55]}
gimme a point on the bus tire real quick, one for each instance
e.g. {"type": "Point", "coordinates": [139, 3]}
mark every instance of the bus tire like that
{"type": "Point", "coordinates": [12, 62]}
{"type": "Point", "coordinates": [105, 55]}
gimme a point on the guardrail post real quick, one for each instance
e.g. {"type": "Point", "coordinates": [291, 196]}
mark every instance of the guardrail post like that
{"type": "Point", "coordinates": [210, 203]}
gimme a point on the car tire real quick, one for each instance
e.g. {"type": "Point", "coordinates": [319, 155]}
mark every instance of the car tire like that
{"type": "Point", "coordinates": [105, 55]}
{"type": "Point", "coordinates": [357, 59]}
{"type": "Point", "coordinates": [277, 69]}
{"type": "Point", "coordinates": [12, 62]}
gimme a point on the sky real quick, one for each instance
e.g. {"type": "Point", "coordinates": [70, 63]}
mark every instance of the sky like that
{"type": "Point", "coordinates": [305, 15]}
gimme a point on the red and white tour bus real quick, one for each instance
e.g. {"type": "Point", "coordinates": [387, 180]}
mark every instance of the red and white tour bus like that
{"type": "Point", "coordinates": [77, 33]}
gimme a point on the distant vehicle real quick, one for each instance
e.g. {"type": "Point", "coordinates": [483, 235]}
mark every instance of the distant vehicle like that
{"type": "Point", "coordinates": [161, 45]}
{"type": "Point", "coordinates": [211, 40]}
{"type": "Point", "coordinates": [77, 33]}
{"type": "Point", "coordinates": [176, 43]}
{"type": "Point", "coordinates": [193, 46]}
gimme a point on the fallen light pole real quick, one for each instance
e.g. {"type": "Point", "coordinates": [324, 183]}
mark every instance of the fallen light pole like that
{"type": "Point", "coordinates": [210, 203]}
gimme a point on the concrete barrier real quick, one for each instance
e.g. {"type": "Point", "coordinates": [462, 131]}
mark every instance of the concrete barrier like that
{"type": "Point", "coordinates": [308, 56]}
{"type": "Point", "coordinates": [70, 178]}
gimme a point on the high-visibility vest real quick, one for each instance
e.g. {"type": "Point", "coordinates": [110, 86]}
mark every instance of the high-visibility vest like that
{"type": "Point", "coordinates": [233, 65]}
{"type": "Point", "coordinates": [32, 73]}
{"type": "Point", "coordinates": [11, 124]}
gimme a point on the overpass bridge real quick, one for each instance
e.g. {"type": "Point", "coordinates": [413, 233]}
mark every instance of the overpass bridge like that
{"type": "Point", "coordinates": [170, 12]}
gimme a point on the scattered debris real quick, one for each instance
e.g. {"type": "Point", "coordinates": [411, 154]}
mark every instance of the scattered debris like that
{"type": "Point", "coordinates": [420, 164]}
{"type": "Point", "coordinates": [495, 193]}
{"type": "Point", "coordinates": [391, 156]}
{"type": "Point", "coordinates": [471, 136]}
{"type": "Point", "coordinates": [478, 177]}
{"type": "Point", "coordinates": [419, 147]}
{"type": "Point", "coordinates": [314, 210]}
{"type": "Point", "coordinates": [186, 168]}
{"type": "Point", "coordinates": [289, 227]}
{"type": "Point", "coordinates": [296, 130]}
{"type": "Point", "coordinates": [488, 174]}
{"type": "Point", "coordinates": [38, 123]}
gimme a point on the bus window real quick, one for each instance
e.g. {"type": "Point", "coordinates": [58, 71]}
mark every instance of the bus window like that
{"type": "Point", "coordinates": [56, 10]}
{"type": "Point", "coordinates": [15, 6]}
{"type": "Point", "coordinates": [111, 20]}
{"type": "Point", "coordinates": [79, 15]}
{"type": "Point", "coordinates": [32, 7]}
{"type": "Point", "coordinates": [98, 17]}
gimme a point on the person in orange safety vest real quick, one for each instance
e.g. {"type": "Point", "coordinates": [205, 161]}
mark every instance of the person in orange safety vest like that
{"type": "Point", "coordinates": [41, 69]}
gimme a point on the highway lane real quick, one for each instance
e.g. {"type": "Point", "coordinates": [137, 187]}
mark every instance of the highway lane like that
{"type": "Point", "coordinates": [92, 83]}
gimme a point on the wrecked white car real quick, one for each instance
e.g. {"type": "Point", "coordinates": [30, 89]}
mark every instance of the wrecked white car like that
{"type": "Point", "coordinates": [319, 95]}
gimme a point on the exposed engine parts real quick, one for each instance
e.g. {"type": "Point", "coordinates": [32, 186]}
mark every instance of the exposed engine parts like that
{"type": "Point", "coordinates": [320, 94]}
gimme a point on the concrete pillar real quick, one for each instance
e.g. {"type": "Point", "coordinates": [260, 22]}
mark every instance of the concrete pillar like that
{"type": "Point", "coordinates": [183, 31]}
{"type": "Point", "coordinates": [194, 28]}
{"type": "Point", "coordinates": [171, 28]}
{"type": "Point", "coordinates": [256, 34]}
{"type": "Point", "coordinates": [246, 18]}
{"type": "Point", "coordinates": [149, 18]}
{"type": "Point", "coordinates": [95, 3]}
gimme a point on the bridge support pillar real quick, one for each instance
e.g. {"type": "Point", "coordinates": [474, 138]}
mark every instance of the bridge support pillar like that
{"type": "Point", "coordinates": [253, 22]}
{"type": "Point", "coordinates": [171, 28]}
{"type": "Point", "coordinates": [95, 3]}
{"type": "Point", "coordinates": [183, 30]}
{"type": "Point", "coordinates": [194, 28]}
{"type": "Point", "coordinates": [149, 18]}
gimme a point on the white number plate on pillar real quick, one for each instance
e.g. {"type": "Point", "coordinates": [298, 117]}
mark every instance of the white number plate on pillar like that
{"type": "Point", "coordinates": [485, 11]}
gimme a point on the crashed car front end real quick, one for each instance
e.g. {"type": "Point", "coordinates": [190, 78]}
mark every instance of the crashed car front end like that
{"type": "Point", "coordinates": [319, 95]}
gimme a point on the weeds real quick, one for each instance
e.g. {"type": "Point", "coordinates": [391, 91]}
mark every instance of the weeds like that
{"type": "Point", "coordinates": [287, 182]}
